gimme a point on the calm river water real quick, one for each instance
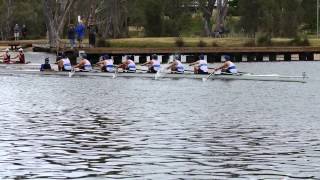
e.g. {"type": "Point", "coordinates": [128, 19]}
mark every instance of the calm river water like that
{"type": "Point", "coordinates": [100, 128]}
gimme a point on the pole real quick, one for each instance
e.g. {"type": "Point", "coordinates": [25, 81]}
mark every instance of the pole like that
{"type": "Point", "coordinates": [317, 18]}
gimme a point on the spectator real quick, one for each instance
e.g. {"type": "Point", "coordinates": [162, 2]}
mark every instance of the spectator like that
{"type": "Point", "coordinates": [80, 30]}
{"type": "Point", "coordinates": [24, 31]}
{"type": "Point", "coordinates": [72, 36]}
{"type": "Point", "coordinates": [16, 30]}
{"type": "Point", "coordinates": [93, 30]}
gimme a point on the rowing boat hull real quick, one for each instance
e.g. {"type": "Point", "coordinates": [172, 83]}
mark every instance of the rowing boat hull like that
{"type": "Point", "coordinates": [164, 75]}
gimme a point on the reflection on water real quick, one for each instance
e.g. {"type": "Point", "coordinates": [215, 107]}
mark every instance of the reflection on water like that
{"type": "Point", "coordinates": [95, 128]}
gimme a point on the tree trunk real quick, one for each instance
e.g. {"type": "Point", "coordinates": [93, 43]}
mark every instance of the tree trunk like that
{"type": "Point", "coordinates": [222, 11]}
{"type": "Point", "coordinates": [8, 25]}
{"type": "Point", "coordinates": [207, 10]}
{"type": "Point", "coordinates": [55, 12]}
{"type": "Point", "coordinates": [116, 19]}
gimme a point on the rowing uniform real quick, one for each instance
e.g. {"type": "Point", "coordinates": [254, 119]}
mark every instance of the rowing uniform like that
{"type": "Point", "coordinates": [203, 67]}
{"type": "Point", "coordinates": [22, 59]}
{"type": "Point", "coordinates": [87, 65]}
{"type": "Point", "coordinates": [155, 66]}
{"type": "Point", "coordinates": [66, 64]}
{"type": "Point", "coordinates": [232, 68]}
{"type": "Point", "coordinates": [108, 65]}
{"type": "Point", "coordinates": [6, 58]}
{"type": "Point", "coordinates": [179, 67]}
{"type": "Point", "coordinates": [131, 67]}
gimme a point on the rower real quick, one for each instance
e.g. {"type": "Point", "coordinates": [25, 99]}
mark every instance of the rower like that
{"type": "Point", "coordinates": [153, 65]}
{"type": "Point", "coordinates": [84, 64]}
{"type": "Point", "coordinates": [21, 57]}
{"type": "Point", "coordinates": [46, 66]}
{"type": "Point", "coordinates": [106, 64]}
{"type": "Point", "coordinates": [227, 66]}
{"type": "Point", "coordinates": [128, 65]}
{"type": "Point", "coordinates": [64, 63]}
{"type": "Point", "coordinates": [6, 56]}
{"type": "Point", "coordinates": [200, 66]}
{"type": "Point", "coordinates": [176, 66]}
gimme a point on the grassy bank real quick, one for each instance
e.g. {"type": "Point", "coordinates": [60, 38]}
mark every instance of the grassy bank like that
{"type": "Point", "coordinates": [198, 42]}
{"type": "Point", "coordinates": [167, 42]}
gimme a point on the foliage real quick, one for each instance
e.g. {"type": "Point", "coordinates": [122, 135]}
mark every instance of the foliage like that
{"type": "Point", "coordinates": [103, 43]}
{"type": "Point", "coordinates": [277, 18]}
{"type": "Point", "coordinates": [300, 41]}
{"type": "Point", "coordinates": [263, 39]}
{"type": "Point", "coordinates": [214, 44]}
{"type": "Point", "coordinates": [179, 42]}
{"type": "Point", "coordinates": [202, 43]}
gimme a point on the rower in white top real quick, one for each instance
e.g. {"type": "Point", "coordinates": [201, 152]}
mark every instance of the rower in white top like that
{"type": "Point", "coordinates": [128, 65]}
{"type": "Point", "coordinates": [176, 66]}
{"type": "Point", "coordinates": [228, 66]}
{"type": "Point", "coordinates": [84, 64]}
{"type": "Point", "coordinates": [200, 66]}
{"type": "Point", "coordinates": [106, 64]}
{"type": "Point", "coordinates": [64, 63]}
{"type": "Point", "coordinates": [153, 65]}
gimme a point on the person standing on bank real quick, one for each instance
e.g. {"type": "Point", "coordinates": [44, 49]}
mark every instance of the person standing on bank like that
{"type": "Point", "coordinates": [24, 31]}
{"type": "Point", "coordinates": [16, 30]}
{"type": "Point", "coordinates": [80, 30]}
{"type": "Point", "coordinates": [72, 36]}
{"type": "Point", "coordinates": [93, 30]}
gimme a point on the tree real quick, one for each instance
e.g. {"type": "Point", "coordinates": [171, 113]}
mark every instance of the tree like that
{"type": "Point", "coordinates": [55, 12]}
{"type": "Point", "coordinates": [6, 18]}
{"type": "Point", "coordinates": [153, 14]}
{"type": "Point", "coordinates": [206, 8]}
{"type": "Point", "coordinates": [222, 11]}
{"type": "Point", "coordinates": [113, 17]}
{"type": "Point", "coordinates": [309, 17]}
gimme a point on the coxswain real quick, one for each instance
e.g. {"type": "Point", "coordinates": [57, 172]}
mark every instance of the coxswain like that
{"type": "Point", "coordinates": [106, 64]}
{"type": "Point", "coordinates": [128, 65]}
{"type": "Point", "coordinates": [20, 57]}
{"type": "Point", "coordinates": [6, 56]}
{"type": "Point", "coordinates": [84, 64]}
{"type": "Point", "coordinates": [227, 66]}
{"type": "Point", "coordinates": [153, 65]}
{"type": "Point", "coordinates": [46, 66]}
{"type": "Point", "coordinates": [176, 66]}
{"type": "Point", "coordinates": [200, 66]}
{"type": "Point", "coordinates": [64, 63]}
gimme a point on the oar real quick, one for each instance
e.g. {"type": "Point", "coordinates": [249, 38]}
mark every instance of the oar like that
{"type": "Point", "coordinates": [71, 73]}
{"type": "Point", "coordinates": [115, 74]}
{"type": "Point", "coordinates": [205, 79]}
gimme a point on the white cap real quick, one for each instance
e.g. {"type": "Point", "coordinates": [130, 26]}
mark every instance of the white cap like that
{"type": "Point", "coordinates": [20, 49]}
{"type": "Point", "coordinates": [7, 49]}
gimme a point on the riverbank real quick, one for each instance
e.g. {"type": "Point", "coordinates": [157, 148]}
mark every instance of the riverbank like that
{"type": "Point", "coordinates": [168, 42]}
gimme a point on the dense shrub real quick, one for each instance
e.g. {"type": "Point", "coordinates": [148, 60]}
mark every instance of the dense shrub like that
{"type": "Point", "coordinates": [249, 43]}
{"type": "Point", "coordinates": [202, 43]}
{"type": "Point", "coordinates": [263, 39]}
{"type": "Point", "coordinates": [179, 42]}
{"type": "Point", "coordinates": [103, 43]}
{"type": "Point", "coordinates": [300, 41]}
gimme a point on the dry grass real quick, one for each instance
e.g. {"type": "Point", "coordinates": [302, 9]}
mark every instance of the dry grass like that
{"type": "Point", "coordinates": [188, 41]}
